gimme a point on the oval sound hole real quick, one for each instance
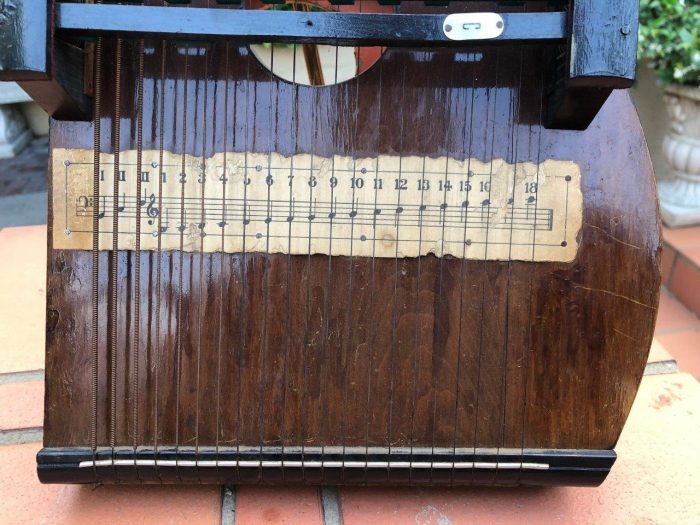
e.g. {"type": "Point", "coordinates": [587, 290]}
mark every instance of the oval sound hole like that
{"type": "Point", "coordinates": [312, 64]}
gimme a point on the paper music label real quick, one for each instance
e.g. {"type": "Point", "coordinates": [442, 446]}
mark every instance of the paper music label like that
{"type": "Point", "coordinates": [387, 206]}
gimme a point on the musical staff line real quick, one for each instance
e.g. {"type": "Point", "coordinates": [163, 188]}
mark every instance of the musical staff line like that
{"type": "Point", "coordinates": [322, 213]}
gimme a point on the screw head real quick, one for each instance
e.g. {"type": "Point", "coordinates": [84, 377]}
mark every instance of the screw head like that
{"type": "Point", "coordinates": [625, 29]}
{"type": "Point", "coordinates": [448, 28]}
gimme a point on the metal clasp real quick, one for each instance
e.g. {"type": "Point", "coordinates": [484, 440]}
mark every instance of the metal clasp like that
{"type": "Point", "coordinates": [473, 26]}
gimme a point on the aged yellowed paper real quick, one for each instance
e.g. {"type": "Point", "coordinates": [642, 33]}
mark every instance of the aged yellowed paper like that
{"type": "Point", "coordinates": [387, 206]}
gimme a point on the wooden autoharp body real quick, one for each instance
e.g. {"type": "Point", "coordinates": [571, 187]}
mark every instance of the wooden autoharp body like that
{"type": "Point", "coordinates": [341, 242]}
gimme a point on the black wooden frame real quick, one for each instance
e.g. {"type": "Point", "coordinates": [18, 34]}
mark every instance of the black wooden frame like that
{"type": "Point", "coordinates": [255, 26]}
{"type": "Point", "coordinates": [593, 43]}
{"type": "Point", "coordinates": [354, 465]}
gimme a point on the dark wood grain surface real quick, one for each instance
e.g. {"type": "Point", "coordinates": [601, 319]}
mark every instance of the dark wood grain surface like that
{"type": "Point", "coordinates": [257, 349]}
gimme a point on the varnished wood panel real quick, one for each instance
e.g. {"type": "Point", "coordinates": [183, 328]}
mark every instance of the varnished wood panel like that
{"type": "Point", "coordinates": [255, 349]}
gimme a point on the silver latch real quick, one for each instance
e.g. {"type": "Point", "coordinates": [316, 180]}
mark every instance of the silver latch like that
{"type": "Point", "coordinates": [473, 26]}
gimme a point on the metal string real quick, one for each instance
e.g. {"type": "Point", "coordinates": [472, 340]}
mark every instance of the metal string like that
{"type": "Point", "coordinates": [438, 328]}
{"type": "Point", "coordinates": [330, 273]}
{"type": "Point", "coordinates": [396, 271]}
{"type": "Point", "coordinates": [370, 346]}
{"type": "Point", "coordinates": [244, 270]}
{"type": "Point", "coordinates": [178, 363]}
{"type": "Point", "coordinates": [202, 181]}
{"type": "Point", "coordinates": [95, 304]}
{"type": "Point", "coordinates": [326, 307]}
{"type": "Point", "coordinates": [515, 100]}
{"type": "Point", "coordinates": [115, 247]}
{"type": "Point", "coordinates": [307, 343]}
{"type": "Point", "coordinates": [222, 224]}
{"type": "Point", "coordinates": [161, 120]}
{"type": "Point", "coordinates": [137, 254]}
{"type": "Point", "coordinates": [348, 321]}
{"type": "Point", "coordinates": [526, 357]}
{"type": "Point", "coordinates": [269, 263]}
{"type": "Point", "coordinates": [416, 358]}
{"type": "Point", "coordinates": [494, 91]}
{"type": "Point", "coordinates": [463, 267]}
{"type": "Point", "coordinates": [208, 52]}
{"type": "Point", "coordinates": [491, 156]}
{"type": "Point", "coordinates": [292, 132]}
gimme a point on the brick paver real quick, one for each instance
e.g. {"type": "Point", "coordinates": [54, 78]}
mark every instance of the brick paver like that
{"type": "Point", "coordinates": [22, 298]}
{"type": "Point", "coordinates": [655, 479]}
{"type": "Point", "coordinates": [673, 316]}
{"type": "Point", "coordinates": [685, 348]}
{"type": "Point", "coordinates": [26, 501]}
{"type": "Point", "coordinates": [275, 505]}
{"type": "Point", "coordinates": [22, 405]}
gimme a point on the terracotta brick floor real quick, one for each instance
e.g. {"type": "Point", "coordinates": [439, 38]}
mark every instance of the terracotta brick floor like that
{"type": "Point", "coordinates": [678, 328]}
{"type": "Point", "coordinates": [681, 265]}
{"type": "Point", "coordinates": [656, 479]}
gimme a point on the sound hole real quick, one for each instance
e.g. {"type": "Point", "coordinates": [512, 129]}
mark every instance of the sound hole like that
{"type": "Point", "coordinates": [317, 65]}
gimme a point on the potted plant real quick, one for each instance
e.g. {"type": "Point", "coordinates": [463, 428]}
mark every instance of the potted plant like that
{"type": "Point", "coordinates": [669, 39]}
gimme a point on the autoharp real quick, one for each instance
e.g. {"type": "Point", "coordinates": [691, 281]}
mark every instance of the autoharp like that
{"type": "Point", "coordinates": [336, 242]}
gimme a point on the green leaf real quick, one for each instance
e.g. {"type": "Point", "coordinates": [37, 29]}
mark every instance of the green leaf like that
{"type": "Point", "coordinates": [669, 38]}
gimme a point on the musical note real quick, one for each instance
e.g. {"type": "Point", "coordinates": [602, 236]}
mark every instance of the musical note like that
{"type": "Point", "coordinates": [377, 212]}
{"type": "Point", "coordinates": [164, 229]}
{"type": "Point", "coordinates": [183, 221]}
{"type": "Point", "coordinates": [397, 215]}
{"type": "Point", "coordinates": [485, 209]}
{"type": "Point", "coordinates": [223, 222]}
{"type": "Point", "coordinates": [246, 213]}
{"type": "Point", "coordinates": [121, 208]}
{"type": "Point", "coordinates": [292, 204]}
{"type": "Point", "coordinates": [268, 218]}
{"type": "Point", "coordinates": [101, 215]}
{"type": "Point", "coordinates": [334, 205]}
{"type": "Point", "coordinates": [421, 209]}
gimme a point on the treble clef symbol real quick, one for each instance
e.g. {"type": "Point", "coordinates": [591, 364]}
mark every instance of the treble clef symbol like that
{"type": "Point", "coordinates": [152, 211]}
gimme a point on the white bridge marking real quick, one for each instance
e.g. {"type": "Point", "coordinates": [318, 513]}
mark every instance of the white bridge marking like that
{"type": "Point", "coordinates": [313, 464]}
